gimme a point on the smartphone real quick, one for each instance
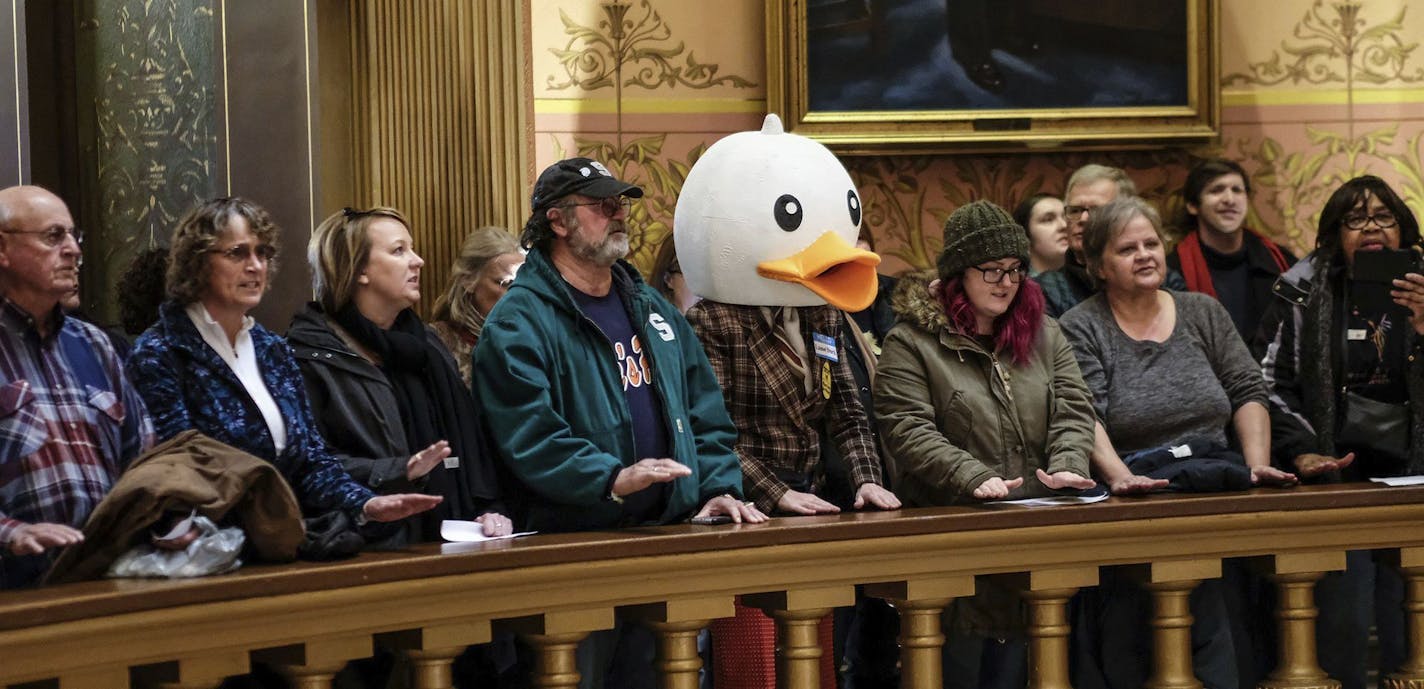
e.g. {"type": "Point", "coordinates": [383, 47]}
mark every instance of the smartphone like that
{"type": "Point", "coordinates": [712, 520]}
{"type": "Point", "coordinates": [1384, 265]}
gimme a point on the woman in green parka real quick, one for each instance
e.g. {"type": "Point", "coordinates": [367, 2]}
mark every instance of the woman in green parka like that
{"type": "Point", "coordinates": [979, 398]}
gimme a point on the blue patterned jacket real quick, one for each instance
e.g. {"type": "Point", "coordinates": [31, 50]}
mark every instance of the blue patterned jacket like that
{"type": "Point", "coordinates": [187, 385]}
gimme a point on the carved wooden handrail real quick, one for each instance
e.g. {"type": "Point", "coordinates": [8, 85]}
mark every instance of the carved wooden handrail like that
{"type": "Point", "coordinates": [558, 587]}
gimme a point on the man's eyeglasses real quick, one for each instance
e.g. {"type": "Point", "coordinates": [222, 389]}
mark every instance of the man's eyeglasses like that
{"type": "Point", "coordinates": [609, 206]}
{"type": "Point", "coordinates": [994, 276]}
{"type": "Point", "coordinates": [1073, 212]}
{"type": "Point", "coordinates": [1384, 221]}
{"type": "Point", "coordinates": [242, 253]}
{"type": "Point", "coordinates": [54, 236]}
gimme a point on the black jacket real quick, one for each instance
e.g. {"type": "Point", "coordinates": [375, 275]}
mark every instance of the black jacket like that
{"type": "Point", "coordinates": [1299, 347]}
{"type": "Point", "coordinates": [356, 409]}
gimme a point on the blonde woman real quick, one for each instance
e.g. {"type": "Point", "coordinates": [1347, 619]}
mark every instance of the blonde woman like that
{"type": "Point", "coordinates": [483, 272]}
{"type": "Point", "coordinates": [383, 388]}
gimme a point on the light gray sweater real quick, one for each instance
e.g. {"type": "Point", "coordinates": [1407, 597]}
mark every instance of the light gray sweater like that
{"type": "Point", "coordinates": [1150, 394]}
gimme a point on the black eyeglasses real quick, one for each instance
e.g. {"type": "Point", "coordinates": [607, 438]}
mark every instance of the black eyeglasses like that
{"type": "Point", "coordinates": [54, 236]}
{"type": "Point", "coordinates": [994, 276]}
{"type": "Point", "coordinates": [242, 253]}
{"type": "Point", "coordinates": [609, 206]}
{"type": "Point", "coordinates": [1075, 211]}
{"type": "Point", "coordinates": [1384, 220]}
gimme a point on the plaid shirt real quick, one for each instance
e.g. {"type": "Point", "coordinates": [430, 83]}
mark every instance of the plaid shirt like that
{"type": "Point", "coordinates": [778, 423]}
{"type": "Point", "coordinates": [63, 440]}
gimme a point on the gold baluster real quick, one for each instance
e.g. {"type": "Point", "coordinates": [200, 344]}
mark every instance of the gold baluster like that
{"type": "Point", "coordinates": [921, 603]}
{"type": "Point", "coordinates": [1295, 576]}
{"type": "Point", "coordinates": [1047, 593]}
{"type": "Point", "coordinates": [798, 614]}
{"type": "Point", "coordinates": [1171, 585]}
{"type": "Point", "coordinates": [1410, 674]}
{"type": "Point", "coordinates": [555, 637]}
{"type": "Point", "coordinates": [677, 624]}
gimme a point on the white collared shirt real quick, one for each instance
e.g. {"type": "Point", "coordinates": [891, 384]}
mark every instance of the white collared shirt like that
{"type": "Point", "coordinates": [242, 359]}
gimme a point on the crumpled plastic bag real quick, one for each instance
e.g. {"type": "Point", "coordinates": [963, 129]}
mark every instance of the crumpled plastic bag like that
{"type": "Point", "coordinates": [215, 551]}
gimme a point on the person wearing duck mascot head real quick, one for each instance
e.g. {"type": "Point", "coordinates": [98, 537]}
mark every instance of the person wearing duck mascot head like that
{"type": "Point", "coordinates": [765, 228]}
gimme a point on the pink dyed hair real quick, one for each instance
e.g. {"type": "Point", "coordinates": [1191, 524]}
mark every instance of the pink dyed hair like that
{"type": "Point", "coordinates": [1015, 332]}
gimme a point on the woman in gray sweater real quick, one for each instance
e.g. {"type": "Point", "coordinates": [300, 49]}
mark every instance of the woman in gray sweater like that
{"type": "Point", "coordinates": [1165, 368]}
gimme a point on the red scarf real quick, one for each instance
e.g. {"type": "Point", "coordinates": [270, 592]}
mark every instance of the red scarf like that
{"type": "Point", "coordinates": [1195, 270]}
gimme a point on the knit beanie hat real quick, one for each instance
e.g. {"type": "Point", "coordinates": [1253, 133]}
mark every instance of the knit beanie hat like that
{"type": "Point", "coordinates": [980, 232]}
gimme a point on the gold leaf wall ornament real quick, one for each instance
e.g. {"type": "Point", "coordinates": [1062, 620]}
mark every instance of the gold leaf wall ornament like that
{"type": "Point", "coordinates": [1336, 46]}
{"type": "Point", "coordinates": [595, 57]}
{"type": "Point", "coordinates": [640, 161]}
{"type": "Point", "coordinates": [151, 93]}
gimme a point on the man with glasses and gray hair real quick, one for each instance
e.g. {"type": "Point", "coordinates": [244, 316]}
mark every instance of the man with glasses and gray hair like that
{"type": "Point", "coordinates": [610, 413]}
{"type": "Point", "coordinates": [1091, 186]}
{"type": "Point", "coordinates": [69, 420]}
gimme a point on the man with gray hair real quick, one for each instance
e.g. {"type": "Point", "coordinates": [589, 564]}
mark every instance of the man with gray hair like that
{"type": "Point", "coordinates": [611, 414]}
{"type": "Point", "coordinates": [69, 420]}
{"type": "Point", "coordinates": [1089, 187]}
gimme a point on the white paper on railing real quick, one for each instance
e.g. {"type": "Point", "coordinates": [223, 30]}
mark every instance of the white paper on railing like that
{"type": "Point", "coordinates": [1055, 501]}
{"type": "Point", "coordinates": [461, 531]}
{"type": "Point", "coordinates": [1400, 480]}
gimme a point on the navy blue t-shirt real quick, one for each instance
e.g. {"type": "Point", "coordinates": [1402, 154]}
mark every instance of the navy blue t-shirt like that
{"type": "Point", "coordinates": [650, 437]}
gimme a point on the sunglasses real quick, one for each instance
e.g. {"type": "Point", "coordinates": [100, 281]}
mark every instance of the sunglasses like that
{"type": "Point", "coordinates": [242, 253]}
{"type": "Point", "coordinates": [609, 206]}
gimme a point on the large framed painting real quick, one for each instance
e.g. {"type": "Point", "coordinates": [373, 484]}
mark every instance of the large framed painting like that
{"type": "Point", "coordinates": [877, 76]}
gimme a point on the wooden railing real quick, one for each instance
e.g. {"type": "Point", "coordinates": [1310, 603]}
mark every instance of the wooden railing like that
{"type": "Point", "coordinates": [432, 601]}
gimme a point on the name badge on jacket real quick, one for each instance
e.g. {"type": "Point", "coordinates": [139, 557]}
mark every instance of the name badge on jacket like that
{"type": "Point", "coordinates": [826, 347]}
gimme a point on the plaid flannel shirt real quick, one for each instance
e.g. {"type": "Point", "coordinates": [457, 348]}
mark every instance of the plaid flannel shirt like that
{"type": "Point", "coordinates": [63, 440]}
{"type": "Point", "coordinates": [778, 423]}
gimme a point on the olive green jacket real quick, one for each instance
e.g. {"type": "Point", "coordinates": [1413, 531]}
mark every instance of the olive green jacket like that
{"type": "Point", "coordinates": [955, 415]}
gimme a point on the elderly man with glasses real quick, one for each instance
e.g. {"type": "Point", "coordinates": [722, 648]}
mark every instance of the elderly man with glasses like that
{"type": "Point", "coordinates": [69, 420]}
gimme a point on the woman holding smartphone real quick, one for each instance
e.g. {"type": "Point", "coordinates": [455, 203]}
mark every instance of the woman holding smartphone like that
{"type": "Point", "coordinates": [1341, 353]}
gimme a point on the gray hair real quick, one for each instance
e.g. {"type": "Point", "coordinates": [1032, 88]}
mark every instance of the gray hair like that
{"type": "Point", "coordinates": [1105, 223]}
{"type": "Point", "coordinates": [1093, 172]}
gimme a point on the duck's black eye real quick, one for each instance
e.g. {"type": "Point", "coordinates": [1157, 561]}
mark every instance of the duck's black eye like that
{"type": "Point", "coordinates": [853, 203]}
{"type": "Point", "coordinates": [788, 212]}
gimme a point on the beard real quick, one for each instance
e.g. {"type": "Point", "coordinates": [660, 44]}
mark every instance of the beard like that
{"type": "Point", "coordinates": [604, 252]}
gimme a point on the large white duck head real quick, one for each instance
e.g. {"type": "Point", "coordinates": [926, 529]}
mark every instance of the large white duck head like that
{"type": "Point", "coordinates": [770, 219]}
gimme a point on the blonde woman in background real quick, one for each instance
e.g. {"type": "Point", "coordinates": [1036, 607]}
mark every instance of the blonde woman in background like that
{"type": "Point", "coordinates": [482, 273]}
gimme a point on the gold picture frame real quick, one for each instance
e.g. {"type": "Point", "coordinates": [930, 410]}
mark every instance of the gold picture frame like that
{"type": "Point", "coordinates": [884, 131]}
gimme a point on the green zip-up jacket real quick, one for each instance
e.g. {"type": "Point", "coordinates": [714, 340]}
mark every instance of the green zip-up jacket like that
{"type": "Point", "coordinates": [553, 395]}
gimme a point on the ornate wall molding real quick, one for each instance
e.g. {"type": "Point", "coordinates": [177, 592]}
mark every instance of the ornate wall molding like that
{"type": "Point", "coordinates": [1337, 45]}
{"type": "Point", "coordinates": [595, 56]}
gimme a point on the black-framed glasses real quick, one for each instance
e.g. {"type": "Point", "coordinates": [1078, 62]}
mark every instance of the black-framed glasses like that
{"type": "Point", "coordinates": [53, 236]}
{"type": "Point", "coordinates": [1073, 212]}
{"type": "Point", "coordinates": [1383, 220]}
{"type": "Point", "coordinates": [242, 253]}
{"type": "Point", "coordinates": [996, 275]}
{"type": "Point", "coordinates": [609, 206]}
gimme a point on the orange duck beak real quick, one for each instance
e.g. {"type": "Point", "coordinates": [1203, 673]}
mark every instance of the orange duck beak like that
{"type": "Point", "coordinates": [836, 271]}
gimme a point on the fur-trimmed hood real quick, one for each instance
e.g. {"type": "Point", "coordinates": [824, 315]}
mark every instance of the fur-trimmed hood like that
{"type": "Point", "coordinates": [914, 304]}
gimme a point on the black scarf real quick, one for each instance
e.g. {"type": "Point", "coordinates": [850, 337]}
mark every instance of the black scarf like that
{"type": "Point", "coordinates": [434, 405]}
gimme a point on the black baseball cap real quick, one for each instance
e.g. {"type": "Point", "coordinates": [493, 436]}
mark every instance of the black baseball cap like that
{"type": "Point", "coordinates": [578, 176]}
